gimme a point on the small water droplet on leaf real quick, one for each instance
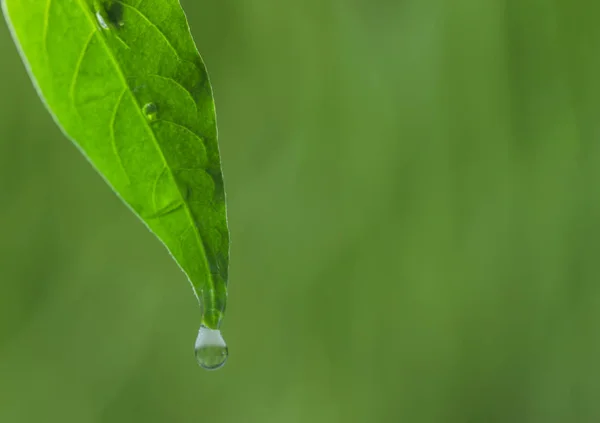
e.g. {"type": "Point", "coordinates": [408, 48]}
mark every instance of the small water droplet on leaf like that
{"type": "Point", "coordinates": [211, 350]}
{"type": "Point", "coordinates": [150, 111]}
{"type": "Point", "coordinates": [109, 13]}
{"type": "Point", "coordinates": [101, 20]}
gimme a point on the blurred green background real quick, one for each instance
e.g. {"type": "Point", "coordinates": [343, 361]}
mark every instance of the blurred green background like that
{"type": "Point", "coordinates": [414, 203]}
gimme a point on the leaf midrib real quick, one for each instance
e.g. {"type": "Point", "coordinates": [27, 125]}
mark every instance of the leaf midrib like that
{"type": "Point", "coordinates": [119, 71]}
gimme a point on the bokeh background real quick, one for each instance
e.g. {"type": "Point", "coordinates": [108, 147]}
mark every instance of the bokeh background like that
{"type": "Point", "coordinates": [414, 202]}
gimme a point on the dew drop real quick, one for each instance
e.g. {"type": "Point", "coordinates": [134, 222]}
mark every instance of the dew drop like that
{"type": "Point", "coordinates": [211, 350]}
{"type": "Point", "coordinates": [115, 15]}
{"type": "Point", "coordinates": [109, 13]}
{"type": "Point", "coordinates": [101, 20]}
{"type": "Point", "coordinates": [150, 111]}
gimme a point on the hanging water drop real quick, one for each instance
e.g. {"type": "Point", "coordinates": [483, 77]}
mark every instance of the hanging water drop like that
{"type": "Point", "coordinates": [150, 111]}
{"type": "Point", "coordinates": [211, 350]}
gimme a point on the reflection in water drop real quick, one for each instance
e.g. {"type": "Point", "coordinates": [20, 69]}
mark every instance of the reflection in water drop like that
{"type": "Point", "coordinates": [150, 111]}
{"type": "Point", "coordinates": [101, 20]}
{"type": "Point", "coordinates": [211, 350]}
{"type": "Point", "coordinates": [114, 10]}
{"type": "Point", "coordinates": [109, 12]}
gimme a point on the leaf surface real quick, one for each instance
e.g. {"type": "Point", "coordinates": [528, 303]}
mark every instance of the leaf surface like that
{"type": "Point", "coordinates": [124, 81]}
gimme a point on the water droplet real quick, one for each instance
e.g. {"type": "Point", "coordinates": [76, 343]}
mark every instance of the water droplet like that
{"type": "Point", "coordinates": [211, 350]}
{"type": "Point", "coordinates": [150, 111]}
{"type": "Point", "coordinates": [109, 12]}
{"type": "Point", "coordinates": [101, 20]}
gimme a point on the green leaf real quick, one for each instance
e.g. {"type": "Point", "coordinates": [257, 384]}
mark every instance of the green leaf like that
{"type": "Point", "coordinates": [125, 82]}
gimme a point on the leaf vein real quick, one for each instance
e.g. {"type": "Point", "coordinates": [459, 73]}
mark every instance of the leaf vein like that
{"type": "Point", "coordinates": [97, 98]}
{"type": "Point", "coordinates": [167, 78]}
{"type": "Point", "coordinates": [153, 25]}
{"type": "Point", "coordinates": [155, 186]}
{"type": "Point", "coordinates": [122, 41]}
{"type": "Point", "coordinates": [185, 128]}
{"type": "Point", "coordinates": [77, 71]}
{"type": "Point", "coordinates": [113, 138]}
{"type": "Point", "coordinates": [183, 233]}
{"type": "Point", "coordinates": [45, 28]}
